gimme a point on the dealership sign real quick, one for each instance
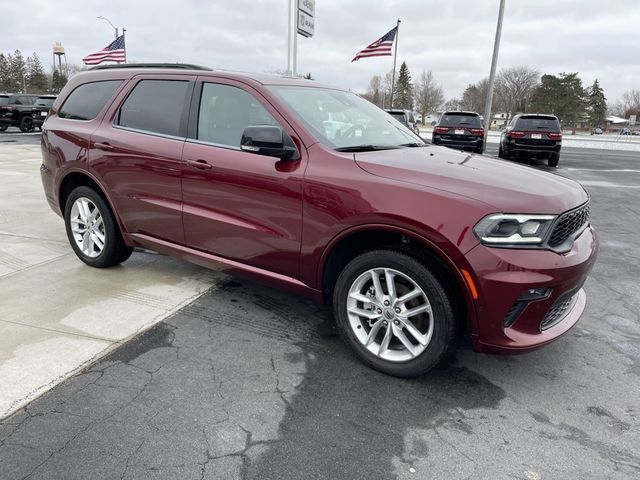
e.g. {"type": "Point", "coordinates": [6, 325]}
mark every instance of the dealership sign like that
{"type": "Point", "coordinates": [306, 12]}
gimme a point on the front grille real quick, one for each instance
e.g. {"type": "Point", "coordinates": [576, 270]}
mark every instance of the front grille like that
{"type": "Point", "coordinates": [569, 223]}
{"type": "Point", "coordinates": [557, 312]}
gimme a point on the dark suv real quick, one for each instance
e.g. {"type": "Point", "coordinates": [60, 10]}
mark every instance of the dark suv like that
{"type": "Point", "coordinates": [407, 118]}
{"type": "Point", "coordinates": [532, 135]}
{"type": "Point", "coordinates": [459, 130]}
{"type": "Point", "coordinates": [40, 109]}
{"type": "Point", "coordinates": [407, 241]}
{"type": "Point", "coordinates": [15, 111]}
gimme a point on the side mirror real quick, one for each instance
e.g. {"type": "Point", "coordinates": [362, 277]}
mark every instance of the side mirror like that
{"type": "Point", "coordinates": [268, 140]}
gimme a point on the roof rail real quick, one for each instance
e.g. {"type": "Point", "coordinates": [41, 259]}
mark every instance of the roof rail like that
{"type": "Point", "coordinates": [181, 66]}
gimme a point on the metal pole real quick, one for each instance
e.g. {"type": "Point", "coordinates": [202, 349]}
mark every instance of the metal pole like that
{"type": "Point", "coordinates": [492, 75]}
{"type": "Point", "coordinates": [124, 31]}
{"type": "Point", "coordinates": [114, 27]}
{"type": "Point", "coordinates": [292, 42]}
{"type": "Point", "coordinates": [395, 53]}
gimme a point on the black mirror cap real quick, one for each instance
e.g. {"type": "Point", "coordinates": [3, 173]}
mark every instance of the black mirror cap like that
{"type": "Point", "coordinates": [268, 140]}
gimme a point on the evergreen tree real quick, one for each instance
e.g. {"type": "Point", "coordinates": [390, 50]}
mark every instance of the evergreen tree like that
{"type": "Point", "coordinates": [58, 81]}
{"type": "Point", "coordinates": [36, 78]}
{"type": "Point", "coordinates": [17, 72]}
{"type": "Point", "coordinates": [596, 105]}
{"type": "Point", "coordinates": [4, 73]}
{"type": "Point", "coordinates": [562, 96]}
{"type": "Point", "coordinates": [403, 91]}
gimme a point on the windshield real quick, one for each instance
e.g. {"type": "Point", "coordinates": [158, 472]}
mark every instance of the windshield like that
{"type": "Point", "coordinates": [4, 100]}
{"type": "Point", "coordinates": [455, 120]}
{"type": "Point", "coordinates": [344, 120]}
{"type": "Point", "coordinates": [44, 102]}
{"type": "Point", "coordinates": [538, 123]}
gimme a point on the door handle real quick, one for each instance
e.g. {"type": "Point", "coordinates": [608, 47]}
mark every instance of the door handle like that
{"type": "Point", "coordinates": [201, 164]}
{"type": "Point", "coordinates": [103, 146]}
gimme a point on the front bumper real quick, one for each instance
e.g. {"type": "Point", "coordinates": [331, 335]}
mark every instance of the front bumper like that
{"type": "Point", "coordinates": [503, 275]}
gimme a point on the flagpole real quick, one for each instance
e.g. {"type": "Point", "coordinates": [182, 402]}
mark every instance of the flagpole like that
{"type": "Point", "coordinates": [395, 53]}
{"type": "Point", "coordinates": [124, 30]}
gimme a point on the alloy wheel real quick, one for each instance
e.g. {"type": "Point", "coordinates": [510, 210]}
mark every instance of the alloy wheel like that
{"type": "Point", "coordinates": [87, 227]}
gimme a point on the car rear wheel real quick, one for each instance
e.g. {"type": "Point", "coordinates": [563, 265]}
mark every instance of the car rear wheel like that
{"type": "Point", "coordinates": [92, 229]}
{"type": "Point", "coordinates": [394, 312]}
{"type": "Point", "coordinates": [501, 152]}
{"type": "Point", "coordinates": [26, 124]}
{"type": "Point", "coordinates": [554, 158]}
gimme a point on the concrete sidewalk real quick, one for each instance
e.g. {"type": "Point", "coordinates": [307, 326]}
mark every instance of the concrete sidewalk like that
{"type": "Point", "coordinates": [56, 314]}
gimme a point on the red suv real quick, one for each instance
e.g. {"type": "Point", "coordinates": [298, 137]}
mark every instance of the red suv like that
{"type": "Point", "coordinates": [409, 242]}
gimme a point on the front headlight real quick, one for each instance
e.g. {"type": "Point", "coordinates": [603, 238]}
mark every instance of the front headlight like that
{"type": "Point", "coordinates": [500, 229]}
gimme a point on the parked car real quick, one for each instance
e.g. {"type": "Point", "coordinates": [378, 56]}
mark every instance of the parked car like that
{"type": "Point", "coordinates": [15, 111]}
{"type": "Point", "coordinates": [596, 131]}
{"type": "Point", "coordinates": [40, 109]}
{"type": "Point", "coordinates": [532, 135]}
{"type": "Point", "coordinates": [406, 118]}
{"type": "Point", "coordinates": [408, 242]}
{"type": "Point", "coordinates": [625, 131]}
{"type": "Point", "coordinates": [459, 130]}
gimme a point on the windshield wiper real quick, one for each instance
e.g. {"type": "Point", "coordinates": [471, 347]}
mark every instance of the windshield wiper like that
{"type": "Point", "coordinates": [413, 144]}
{"type": "Point", "coordinates": [365, 148]}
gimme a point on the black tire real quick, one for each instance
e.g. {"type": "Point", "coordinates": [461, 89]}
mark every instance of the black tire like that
{"type": "Point", "coordinates": [3, 127]}
{"type": "Point", "coordinates": [443, 339]}
{"type": "Point", "coordinates": [554, 158]}
{"type": "Point", "coordinates": [501, 152]}
{"type": "Point", "coordinates": [26, 124]}
{"type": "Point", "coordinates": [478, 150]}
{"type": "Point", "coordinates": [114, 250]}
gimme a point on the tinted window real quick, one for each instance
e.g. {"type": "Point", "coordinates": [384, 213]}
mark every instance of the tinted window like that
{"type": "Point", "coordinates": [538, 123]}
{"type": "Point", "coordinates": [155, 106]}
{"type": "Point", "coordinates": [4, 100]}
{"type": "Point", "coordinates": [453, 120]}
{"type": "Point", "coordinates": [27, 100]}
{"type": "Point", "coordinates": [44, 102]}
{"type": "Point", "coordinates": [86, 101]}
{"type": "Point", "coordinates": [226, 111]}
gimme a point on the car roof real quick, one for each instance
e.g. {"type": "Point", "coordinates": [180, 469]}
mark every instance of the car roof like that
{"type": "Point", "coordinates": [108, 72]}
{"type": "Point", "coordinates": [537, 115]}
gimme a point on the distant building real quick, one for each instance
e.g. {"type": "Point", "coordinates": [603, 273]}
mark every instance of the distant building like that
{"type": "Point", "coordinates": [498, 121]}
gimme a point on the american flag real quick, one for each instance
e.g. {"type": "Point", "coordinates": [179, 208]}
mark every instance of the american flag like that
{"type": "Point", "coordinates": [114, 52]}
{"type": "Point", "coordinates": [379, 48]}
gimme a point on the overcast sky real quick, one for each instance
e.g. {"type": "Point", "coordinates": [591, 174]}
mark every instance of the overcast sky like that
{"type": "Point", "coordinates": [453, 38]}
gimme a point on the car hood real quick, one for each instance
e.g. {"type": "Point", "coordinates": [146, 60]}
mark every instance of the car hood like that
{"type": "Point", "coordinates": [506, 186]}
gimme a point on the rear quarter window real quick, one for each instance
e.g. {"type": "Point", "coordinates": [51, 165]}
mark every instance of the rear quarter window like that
{"type": "Point", "coordinates": [537, 123]}
{"type": "Point", "coordinates": [86, 101]}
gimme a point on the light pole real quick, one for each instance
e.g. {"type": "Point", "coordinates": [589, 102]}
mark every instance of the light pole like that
{"type": "Point", "coordinates": [492, 75]}
{"type": "Point", "coordinates": [109, 21]}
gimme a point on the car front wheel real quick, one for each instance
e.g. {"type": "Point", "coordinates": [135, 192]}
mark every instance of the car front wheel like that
{"type": "Point", "coordinates": [394, 312]}
{"type": "Point", "coordinates": [92, 229]}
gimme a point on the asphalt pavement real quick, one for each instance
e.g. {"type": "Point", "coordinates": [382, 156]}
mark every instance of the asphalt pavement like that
{"type": "Point", "coordinates": [248, 382]}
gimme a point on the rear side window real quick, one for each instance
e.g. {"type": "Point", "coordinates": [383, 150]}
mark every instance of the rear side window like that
{"type": "Point", "coordinates": [456, 120]}
{"type": "Point", "coordinates": [86, 101]}
{"type": "Point", "coordinates": [155, 106]}
{"type": "Point", "coordinates": [44, 102]}
{"type": "Point", "coordinates": [4, 100]}
{"type": "Point", "coordinates": [538, 123]}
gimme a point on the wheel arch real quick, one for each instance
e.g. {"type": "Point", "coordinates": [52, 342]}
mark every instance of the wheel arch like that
{"type": "Point", "coordinates": [361, 239]}
{"type": "Point", "coordinates": [78, 178]}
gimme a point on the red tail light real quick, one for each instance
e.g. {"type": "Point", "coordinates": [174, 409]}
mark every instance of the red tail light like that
{"type": "Point", "coordinates": [477, 131]}
{"type": "Point", "coordinates": [554, 136]}
{"type": "Point", "coordinates": [516, 134]}
{"type": "Point", "coordinates": [442, 130]}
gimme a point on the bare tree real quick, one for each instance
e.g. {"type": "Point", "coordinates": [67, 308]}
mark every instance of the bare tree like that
{"type": "Point", "coordinates": [514, 87]}
{"type": "Point", "coordinates": [428, 94]}
{"type": "Point", "coordinates": [453, 104]}
{"type": "Point", "coordinates": [374, 91]}
{"type": "Point", "coordinates": [631, 103]}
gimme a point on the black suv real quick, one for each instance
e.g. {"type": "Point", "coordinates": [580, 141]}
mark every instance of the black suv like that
{"type": "Point", "coordinates": [532, 135]}
{"type": "Point", "coordinates": [459, 130]}
{"type": "Point", "coordinates": [406, 118]}
{"type": "Point", "coordinates": [15, 111]}
{"type": "Point", "coordinates": [40, 109]}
